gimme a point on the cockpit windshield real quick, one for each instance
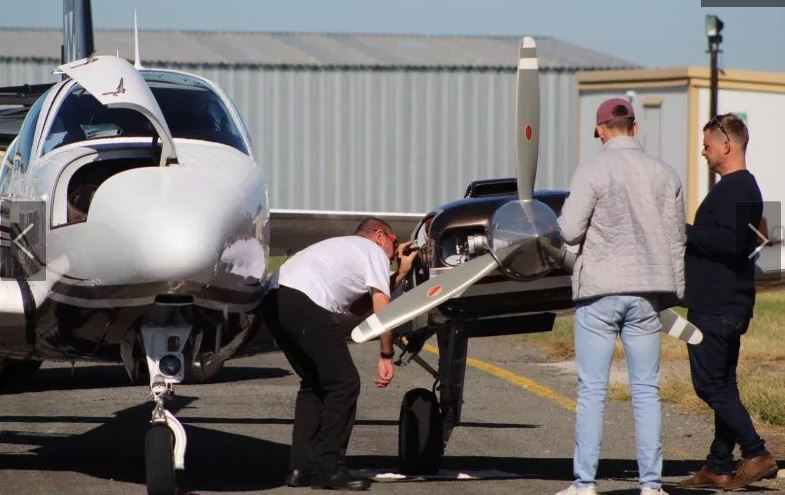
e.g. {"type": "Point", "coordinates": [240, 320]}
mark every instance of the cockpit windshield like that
{"type": "Point", "coordinates": [191, 108]}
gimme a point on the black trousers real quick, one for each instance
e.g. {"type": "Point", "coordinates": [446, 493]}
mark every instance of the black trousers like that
{"type": "Point", "coordinates": [713, 368]}
{"type": "Point", "coordinates": [314, 341]}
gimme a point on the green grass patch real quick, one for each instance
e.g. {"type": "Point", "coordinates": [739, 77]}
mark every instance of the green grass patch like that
{"type": "Point", "coordinates": [763, 393]}
{"type": "Point", "coordinates": [558, 344]}
{"type": "Point", "coordinates": [275, 262]}
{"type": "Point", "coordinates": [761, 370]}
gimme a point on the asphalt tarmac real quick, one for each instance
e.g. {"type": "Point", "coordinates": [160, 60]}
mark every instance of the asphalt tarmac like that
{"type": "Point", "coordinates": [81, 430]}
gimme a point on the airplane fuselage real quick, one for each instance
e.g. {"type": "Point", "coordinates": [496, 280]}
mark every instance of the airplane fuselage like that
{"type": "Point", "coordinates": [133, 233]}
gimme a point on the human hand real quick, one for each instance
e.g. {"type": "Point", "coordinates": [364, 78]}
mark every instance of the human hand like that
{"type": "Point", "coordinates": [405, 254]}
{"type": "Point", "coordinates": [386, 372]}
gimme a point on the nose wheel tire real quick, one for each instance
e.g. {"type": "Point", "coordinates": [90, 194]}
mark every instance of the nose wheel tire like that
{"type": "Point", "coordinates": [420, 443]}
{"type": "Point", "coordinates": [159, 461]}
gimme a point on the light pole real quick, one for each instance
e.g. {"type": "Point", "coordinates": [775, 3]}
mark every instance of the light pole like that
{"type": "Point", "coordinates": [713, 29]}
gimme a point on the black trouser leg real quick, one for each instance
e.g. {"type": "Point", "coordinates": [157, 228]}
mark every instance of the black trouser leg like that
{"type": "Point", "coordinates": [307, 415]}
{"type": "Point", "coordinates": [308, 404]}
{"type": "Point", "coordinates": [713, 367]}
{"type": "Point", "coordinates": [338, 386]}
{"type": "Point", "coordinates": [314, 343]}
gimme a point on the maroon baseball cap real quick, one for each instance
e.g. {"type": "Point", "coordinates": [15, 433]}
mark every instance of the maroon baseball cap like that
{"type": "Point", "coordinates": [615, 108]}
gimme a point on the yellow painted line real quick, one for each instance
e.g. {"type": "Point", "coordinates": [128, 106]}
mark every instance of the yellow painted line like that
{"type": "Point", "coordinates": [521, 381]}
{"type": "Point", "coordinates": [541, 391]}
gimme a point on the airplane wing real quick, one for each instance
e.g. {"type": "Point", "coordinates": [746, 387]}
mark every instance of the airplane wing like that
{"type": "Point", "coordinates": [15, 101]}
{"type": "Point", "coordinates": [10, 122]}
{"type": "Point", "coordinates": [20, 297]}
{"type": "Point", "coordinates": [293, 230]}
{"type": "Point", "coordinates": [453, 282]}
{"type": "Point", "coordinates": [26, 94]}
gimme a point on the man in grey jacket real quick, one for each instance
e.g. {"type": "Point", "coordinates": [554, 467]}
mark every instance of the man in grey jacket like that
{"type": "Point", "coordinates": [626, 211]}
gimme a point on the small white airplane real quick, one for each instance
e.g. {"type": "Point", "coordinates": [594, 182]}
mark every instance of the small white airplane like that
{"type": "Point", "coordinates": [135, 229]}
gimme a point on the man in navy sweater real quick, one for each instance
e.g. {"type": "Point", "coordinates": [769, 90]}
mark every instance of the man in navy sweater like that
{"type": "Point", "coordinates": [720, 295]}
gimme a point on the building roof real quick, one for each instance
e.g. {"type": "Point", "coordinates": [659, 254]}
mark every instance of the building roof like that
{"type": "Point", "coordinates": [681, 77]}
{"type": "Point", "coordinates": [313, 49]}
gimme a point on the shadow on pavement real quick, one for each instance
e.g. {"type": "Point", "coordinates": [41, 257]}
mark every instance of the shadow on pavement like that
{"type": "Point", "coordinates": [111, 376]}
{"type": "Point", "coordinates": [675, 490]}
{"type": "Point", "coordinates": [534, 468]}
{"type": "Point", "coordinates": [227, 462]}
{"type": "Point", "coordinates": [215, 460]}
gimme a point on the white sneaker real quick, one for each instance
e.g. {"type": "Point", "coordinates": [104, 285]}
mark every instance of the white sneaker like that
{"type": "Point", "coordinates": [653, 491]}
{"type": "Point", "coordinates": [574, 490]}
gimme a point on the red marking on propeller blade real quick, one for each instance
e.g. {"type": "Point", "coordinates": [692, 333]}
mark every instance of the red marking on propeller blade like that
{"type": "Point", "coordinates": [435, 290]}
{"type": "Point", "coordinates": [529, 132]}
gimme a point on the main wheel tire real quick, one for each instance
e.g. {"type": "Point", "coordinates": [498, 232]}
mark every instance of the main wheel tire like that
{"type": "Point", "coordinates": [159, 461]}
{"type": "Point", "coordinates": [420, 444]}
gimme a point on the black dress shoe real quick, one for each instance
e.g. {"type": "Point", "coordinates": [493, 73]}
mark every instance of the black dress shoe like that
{"type": "Point", "coordinates": [341, 480]}
{"type": "Point", "coordinates": [298, 477]}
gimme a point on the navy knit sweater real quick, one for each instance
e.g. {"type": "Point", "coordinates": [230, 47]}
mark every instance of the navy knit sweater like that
{"type": "Point", "coordinates": [718, 272]}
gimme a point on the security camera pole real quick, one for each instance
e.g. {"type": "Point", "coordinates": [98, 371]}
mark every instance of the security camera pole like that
{"type": "Point", "coordinates": [713, 29]}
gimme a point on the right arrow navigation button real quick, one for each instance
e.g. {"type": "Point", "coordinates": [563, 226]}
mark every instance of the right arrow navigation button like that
{"type": "Point", "coordinates": [762, 238]}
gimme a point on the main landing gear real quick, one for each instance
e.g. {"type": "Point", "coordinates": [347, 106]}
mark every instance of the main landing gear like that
{"type": "Point", "coordinates": [427, 421]}
{"type": "Point", "coordinates": [165, 334]}
{"type": "Point", "coordinates": [420, 444]}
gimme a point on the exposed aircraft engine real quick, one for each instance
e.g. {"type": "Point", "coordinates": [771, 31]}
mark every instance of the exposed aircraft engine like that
{"type": "Point", "coordinates": [459, 247]}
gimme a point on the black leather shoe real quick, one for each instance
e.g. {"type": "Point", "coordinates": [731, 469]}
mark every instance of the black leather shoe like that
{"type": "Point", "coordinates": [298, 477]}
{"type": "Point", "coordinates": [341, 480]}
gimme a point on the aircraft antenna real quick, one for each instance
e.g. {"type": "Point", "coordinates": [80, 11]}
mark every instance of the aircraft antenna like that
{"type": "Point", "coordinates": [137, 60]}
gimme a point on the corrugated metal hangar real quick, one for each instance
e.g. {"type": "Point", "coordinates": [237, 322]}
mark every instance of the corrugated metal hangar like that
{"type": "Point", "coordinates": [360, 122]}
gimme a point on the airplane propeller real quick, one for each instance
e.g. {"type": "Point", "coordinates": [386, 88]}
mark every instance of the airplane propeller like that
{"type": "Point", "coordinates": [523, 236]}
{"type": "Point", "coordinates": [533, 219]}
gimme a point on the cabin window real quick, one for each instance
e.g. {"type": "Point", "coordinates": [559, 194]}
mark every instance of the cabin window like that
{"type": "Point", "coordinates": [20, 159]}
{"type": "Point", "coordinates": [82, 118]}
{"type": "Point", "coordinates": [191, 110]}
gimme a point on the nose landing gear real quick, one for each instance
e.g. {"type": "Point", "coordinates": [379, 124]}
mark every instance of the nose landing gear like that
{"type": "Point", "coordinates": [165, 441]}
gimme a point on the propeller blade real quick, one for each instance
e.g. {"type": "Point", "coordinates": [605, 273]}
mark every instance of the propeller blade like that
{"type": "Point", "coordinates": [424, 297]}
{"type": "Point", "coordinates": [672, 323]}
{"type": "Point", "coordinates": [676, 326]}
{"type": "Point", "coordinates": [527, 117]}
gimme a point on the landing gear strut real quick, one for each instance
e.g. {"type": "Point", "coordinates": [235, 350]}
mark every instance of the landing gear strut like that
{"type": "Point", "coordinates": [164, 335]}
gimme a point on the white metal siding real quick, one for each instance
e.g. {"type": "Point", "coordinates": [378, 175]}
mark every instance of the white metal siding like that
{"type": "Point", "coordinates": [17, 72]}
{"type": "Point", "coordinates": [386, 140]}
{"type": "Point", "coordinates": [764, 151]}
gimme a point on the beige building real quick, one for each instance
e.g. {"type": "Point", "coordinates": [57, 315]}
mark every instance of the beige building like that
{"type": "Point", "coordinates": [672, 105]}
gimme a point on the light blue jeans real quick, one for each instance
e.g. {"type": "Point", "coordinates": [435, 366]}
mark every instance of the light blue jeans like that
{"type": "Point", "coordinates": [597, 322]}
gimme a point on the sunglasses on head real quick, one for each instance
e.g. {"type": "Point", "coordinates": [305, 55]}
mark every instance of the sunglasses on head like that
{"type": "Point", "coordinates": [716, 123]}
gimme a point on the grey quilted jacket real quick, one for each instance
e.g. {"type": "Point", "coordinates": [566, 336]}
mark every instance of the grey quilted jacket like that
{"type": "Point", "coordinates": [626, 210]}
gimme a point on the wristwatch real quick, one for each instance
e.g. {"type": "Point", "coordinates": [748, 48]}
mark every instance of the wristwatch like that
{"type": "Point", "coordinates": [387, 355]}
